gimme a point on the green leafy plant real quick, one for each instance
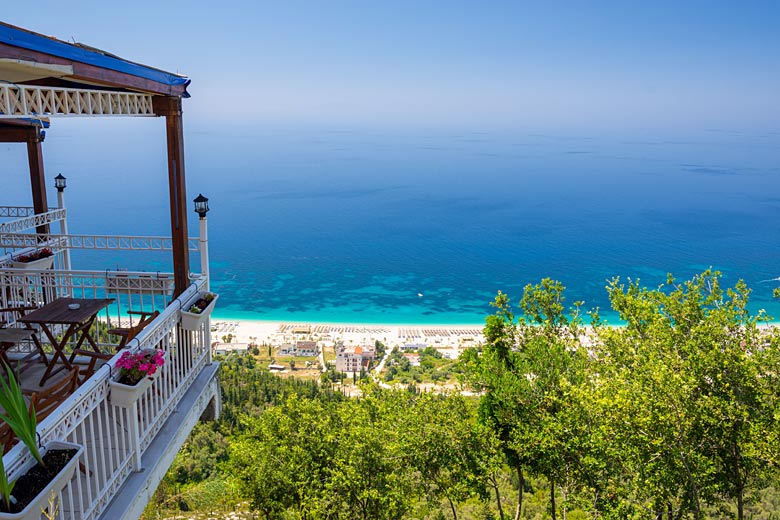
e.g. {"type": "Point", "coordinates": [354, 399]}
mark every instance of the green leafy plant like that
{"type": "Point", "coordinates": [6, 486]}
{"type": "Point", "coordinates": [23, 423]}
{"type": "Point", "coordinates": [21, 420]}
{"type": "Point", "coordinates": [201, 304]}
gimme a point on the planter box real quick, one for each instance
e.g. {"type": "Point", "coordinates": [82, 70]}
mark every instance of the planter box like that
{"type": "Point", "coordinates": [37, 265]}
{"type": "Point", "coordinates": [126, 395]}
{"type": "Point", "coordinates": [33, 509]}
{"type": "Point", "coordinates": [193, 321]}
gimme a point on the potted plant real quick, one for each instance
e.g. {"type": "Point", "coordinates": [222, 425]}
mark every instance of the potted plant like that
{"type": "Point", "coordinates": [37, 260]}
{"type": "Point", "coordinates": [26, 493]}
{"type": "Point", "coordinates": [137, 370]}
{"type": "Point", "coordinates": [197, 312]}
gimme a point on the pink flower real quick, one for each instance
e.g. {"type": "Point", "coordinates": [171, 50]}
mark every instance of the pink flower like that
{"type": "Point", "coordinates": [135, 365]}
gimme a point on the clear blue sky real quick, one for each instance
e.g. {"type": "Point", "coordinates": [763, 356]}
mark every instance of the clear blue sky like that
{"type": "Point", "coordinates": [548, 64]}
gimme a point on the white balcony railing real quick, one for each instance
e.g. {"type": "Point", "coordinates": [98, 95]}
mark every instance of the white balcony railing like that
{"type": "Point", "coordinates": [130, 290]}
{"type": "Point", "coordinates": [17, 211]}
{"type": "Point", "coordinates": [30, 221]}
{"type": "Point", "coordinates": [115, 438]}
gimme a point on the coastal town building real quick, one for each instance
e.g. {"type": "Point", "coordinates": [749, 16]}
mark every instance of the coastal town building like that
{"type": "Point", "coordinates": [413, 359]}
{"type": "Point", "coordinates": [130, 444]}
{"type": "Point", "coordinates": [354, 358]}
{"type": "Point", "coordinates": [299, 348]}
{"type": "Point", "coordinates": [230, 348]}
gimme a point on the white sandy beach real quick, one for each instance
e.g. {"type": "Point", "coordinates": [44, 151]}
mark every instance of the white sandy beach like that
{"type": "Point", "coordinates": [276, 333]}
{"type": "Point", "coordinates": [450, 338]}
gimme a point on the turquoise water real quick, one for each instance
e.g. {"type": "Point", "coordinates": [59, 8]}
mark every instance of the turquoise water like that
{"type": "Point", "coordinates": [424, 227]}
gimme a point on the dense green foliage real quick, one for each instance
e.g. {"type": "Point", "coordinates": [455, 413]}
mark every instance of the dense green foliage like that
{"type": "Point", "coordinates": [433, 368]}
{"type": "Point", "coordinates": [674, 415]}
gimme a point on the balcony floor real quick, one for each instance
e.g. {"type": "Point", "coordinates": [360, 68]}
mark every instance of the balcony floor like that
{"type": "Point", "coordinates": [31, 375]}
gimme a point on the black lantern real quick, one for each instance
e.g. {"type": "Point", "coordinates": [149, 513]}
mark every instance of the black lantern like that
{"type": "Point", "coordinates": [59, 182]}
{"type": "Point", "coordinates": [201, 205]}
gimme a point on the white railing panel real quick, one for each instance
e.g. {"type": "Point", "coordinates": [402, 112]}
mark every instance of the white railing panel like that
{"type": "Point", "coordinates": [33, 221]}
{"type": "Point", "coordinates": [40, 101]}
{"type": "Point", "coordinates": [17, 211]}
{"type": "Point", "coordinates": [102, 242]}
{"type": "Point", "coordinates": [131, 290]}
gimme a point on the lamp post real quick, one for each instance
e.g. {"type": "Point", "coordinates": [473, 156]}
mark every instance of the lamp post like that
{"type": "Point", "coordinates": [201, 208]}
{"type": "Point", "coordinates": [60, 182]}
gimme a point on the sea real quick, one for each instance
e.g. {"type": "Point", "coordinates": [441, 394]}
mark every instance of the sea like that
{"type": "Point", "coordinates": [425, 226]}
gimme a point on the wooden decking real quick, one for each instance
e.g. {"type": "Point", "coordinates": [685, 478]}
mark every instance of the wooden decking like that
{"type": "Point", "coordinates": [31, 374]}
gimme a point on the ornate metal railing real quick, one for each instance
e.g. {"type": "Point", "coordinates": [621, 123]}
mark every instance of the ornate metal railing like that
{"type": "Point", "coordinates": [116, 437]}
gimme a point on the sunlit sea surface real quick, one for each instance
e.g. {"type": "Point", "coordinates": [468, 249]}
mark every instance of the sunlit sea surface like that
{"type": "Point", "coordinates": [368, 226]}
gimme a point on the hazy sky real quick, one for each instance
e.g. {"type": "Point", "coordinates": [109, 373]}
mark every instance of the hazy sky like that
{"type": "Point", "coordinates": [573, 64]}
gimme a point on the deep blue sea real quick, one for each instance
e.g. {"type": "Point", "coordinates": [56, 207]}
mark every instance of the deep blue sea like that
{"type": "Point", "coordinates": [415, 226]}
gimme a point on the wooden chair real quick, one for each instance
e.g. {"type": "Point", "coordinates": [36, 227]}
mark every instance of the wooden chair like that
{"type": "Point", "coordinates": [11, 335]}
{"type": "Point", "coordinates": [47, 400]}
{"type": "Point", "coordinates": [128, 333]}
{"type": "Point", "coordinates": [7, 437]}
{"type": "Point", "coordinates": [44, 402]}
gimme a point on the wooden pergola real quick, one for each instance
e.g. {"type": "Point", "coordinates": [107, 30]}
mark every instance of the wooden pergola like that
{"type": "Point", "coordinates": [43, 77]}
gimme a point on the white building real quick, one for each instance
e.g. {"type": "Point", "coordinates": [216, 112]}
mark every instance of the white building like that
{"type": "Point", "coordinates": [354, 359]}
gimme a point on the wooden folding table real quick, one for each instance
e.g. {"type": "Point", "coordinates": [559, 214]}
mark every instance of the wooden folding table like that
{"type": "Point", "coordinates": [79, 315]}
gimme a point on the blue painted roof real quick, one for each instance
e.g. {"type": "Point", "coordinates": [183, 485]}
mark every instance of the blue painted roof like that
{"type": "Point", "coordinates": [37, 42]}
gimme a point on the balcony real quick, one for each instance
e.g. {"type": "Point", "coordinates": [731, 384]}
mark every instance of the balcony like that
{"type": "Point", "coordinates": [127, 450]}
{"type": "Point", "coordinates": [127, 453]}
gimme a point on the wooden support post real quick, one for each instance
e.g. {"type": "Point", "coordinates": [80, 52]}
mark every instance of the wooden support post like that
{"type": "Point", "coordinates": [37, 178]}
{"type": "Point", "coordinates": [170, 107]}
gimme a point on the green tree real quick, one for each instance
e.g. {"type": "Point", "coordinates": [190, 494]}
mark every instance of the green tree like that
{"type": "Point", "coordinates": [445, 448]}
{"type": "Point", "coordinates": [528, 371]}
{"type": "Point", "coordinates": [681, 386]}
{"type": "Point", "coordinates": [281, 460]}
{"type": "Point", "coordinates": [369, 479]}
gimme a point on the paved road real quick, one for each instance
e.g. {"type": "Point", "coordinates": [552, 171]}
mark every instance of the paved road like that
{"type": "Point", "coordinates": [323, 366]}
{"type": "Point", "coordinates": [375, 373]}
{"type": "Point", "coordinates": [381, 364]}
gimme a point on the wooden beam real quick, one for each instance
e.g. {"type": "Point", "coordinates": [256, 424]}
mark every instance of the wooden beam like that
{"type": "Point", "coordinates": [37, 178]}
{"type": "Point", "coordinates": [17, 134]}
{"type": "Point", "coordinates": [170, 107]}
{"type": "Point", "coordinates": [91, 73]}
